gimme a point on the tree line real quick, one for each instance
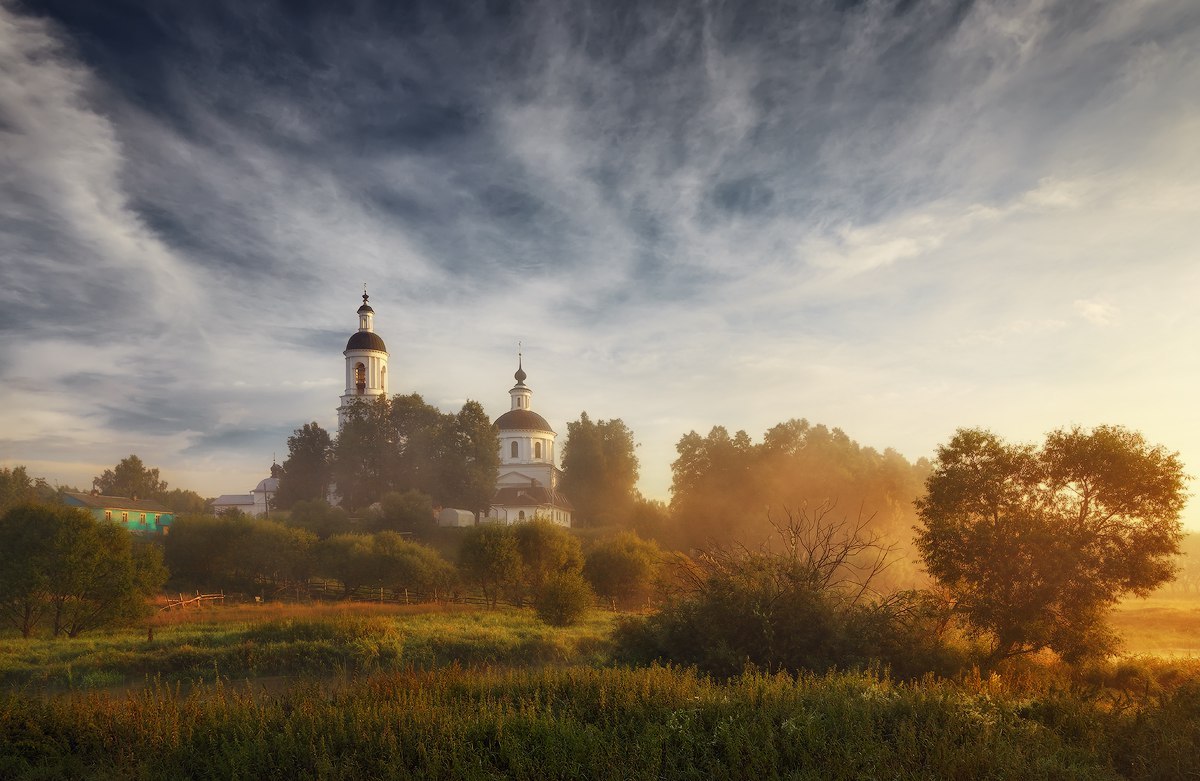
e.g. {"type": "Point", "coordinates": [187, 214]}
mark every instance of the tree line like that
{"type": "Point", "coordinates": [1026, 548]}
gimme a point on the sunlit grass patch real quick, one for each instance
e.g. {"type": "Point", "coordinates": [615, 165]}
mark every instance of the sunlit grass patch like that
{"type": "Point", "coordinates": [311, 642]}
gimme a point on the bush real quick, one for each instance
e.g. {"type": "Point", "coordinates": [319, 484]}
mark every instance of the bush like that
{"type": "Point", "coordinates": [807, 607]}
{"type": "Point", "coordinates": [563, 599]}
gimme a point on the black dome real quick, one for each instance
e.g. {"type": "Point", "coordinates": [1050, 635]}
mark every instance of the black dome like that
{"type": "Point", "coordinates": [366, 340]}
{"type": "Point", "coordinates": [522, 419]}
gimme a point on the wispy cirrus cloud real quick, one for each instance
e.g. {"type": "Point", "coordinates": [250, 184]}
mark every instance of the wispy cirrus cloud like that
{"type": "Point", "coordinates": [894, 217]}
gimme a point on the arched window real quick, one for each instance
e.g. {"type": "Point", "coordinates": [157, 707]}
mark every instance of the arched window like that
{"type": "Point", "coordinates": [360, 378]}
{"type": "Point", "coordinates": [537, 450]}
{"type": "Point", "coordinates": [383, 379]}
{"type": "Point", "coordinates": [521, 516]}
{"type": "Point", "coordinates": [513, 450]}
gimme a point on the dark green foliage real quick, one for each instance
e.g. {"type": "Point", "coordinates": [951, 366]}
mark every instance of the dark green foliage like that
{"type": "Point", "coordinates": [384, 560]}
{"type": "Point", "coordinates": [404, 444]}
{"type": "Point", "coordinates": [806, 604]}
{"type": "Point", "coordinates": [317, 517]}
{"type": "Point", "coordinates": [1035, 546]}
{"type": "Point", "coordinates": [236, 553]}
{"type": "Point", "coordinates": [547, 550]}
{"type": "Point", "coordinates": [563, 599]}
{"type": "Point", "coordinates": [411, 511]}
{"type": "Point", "coordinates": [183, 502]}
{"type": "Point", "coordinates": [600, 470]}
{"type": "Point", "coordinates": [62, 565]}
{"type": "Point", "coordinates": [623, 568]}
{"type": "Point", "coordinates": [306, 473]}
{"type": "Point", "coordinates": [17, 487]}
{"type": "Point", "coordinates": [490, 559]}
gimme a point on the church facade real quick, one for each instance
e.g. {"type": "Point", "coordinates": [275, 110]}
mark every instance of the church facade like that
{"type": "Point", "coordinates": [528, 482]}
{"type": "Point", "coordinates": [527, 485]}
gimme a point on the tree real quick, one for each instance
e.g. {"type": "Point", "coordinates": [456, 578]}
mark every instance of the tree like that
{"type": "Point", "coordinates": [622, 568]}
{"type": "Point", "coordinates": [235, 552]}
{"type": "Point", "coordinates": [25, 567]}
{"type": "Point", "coordinates": [17, 487]}
{"type": "Point", "coordinates": [411, 511]}
{"type": "Point", "coordinates": [722, 482]}
{"type": "Point", "coordinates": [600, 469]}
{"type": "Point", "coordinates": [349, 558]}
{"type": "Point", "coordinates": [468, 459]}
{"type": "Point", "coordinates": [365, 454]}
{"type": "Point", "coordinates": [306, 473]}
{"type": "Point", "coordinates": [404, 444]}
{"type": "Point", "coordinates": [318, 517]}
{"type": "Point", "coordinates": [401, 565]}
{"type": "Point", "coordinates": [183, 502]}
{"type": "Point", "coordinates": [63, 563]}
{"type": "Point", "coordinates": [490, 559]}
{"type": "Point", "coordinates": [130, 478]}
{"type": "Point", "coordinates": [1035, 545]}
{"type": "Point", "coordinates": [546, 550]}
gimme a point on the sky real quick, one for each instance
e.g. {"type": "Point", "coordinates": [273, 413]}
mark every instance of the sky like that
{"type": "Point", "coordinates": [898, 218]}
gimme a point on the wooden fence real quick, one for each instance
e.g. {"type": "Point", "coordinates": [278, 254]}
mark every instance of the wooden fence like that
{"type": "Point", "coordinates": [197, 601]}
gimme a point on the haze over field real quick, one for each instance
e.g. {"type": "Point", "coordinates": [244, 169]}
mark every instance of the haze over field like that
{"type": "Point", "coordinates": [897, 218]}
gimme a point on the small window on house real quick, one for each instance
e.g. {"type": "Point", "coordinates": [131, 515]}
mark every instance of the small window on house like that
{"type": "Point", "coordinates": [537, 449]}
{"type": "Point", "coordinates": [108, 515]}
{"type": "Point", "coordinates": [143, 518]}
{"type": "Point", "coordinates": [124, 517]}
{"type": "Point", "coordinates": [513, 450]}
{"type": "Point", "coordinates": [521, 516]}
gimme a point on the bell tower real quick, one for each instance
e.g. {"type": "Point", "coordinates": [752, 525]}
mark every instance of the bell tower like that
{"type": "Point", "coordinates": [366, 363]}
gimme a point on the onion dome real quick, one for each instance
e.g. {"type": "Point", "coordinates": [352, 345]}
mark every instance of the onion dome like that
{"type": "Point", "coordinates": [366, 340]}
{"type": "Point", "coordinates": [522, 420]}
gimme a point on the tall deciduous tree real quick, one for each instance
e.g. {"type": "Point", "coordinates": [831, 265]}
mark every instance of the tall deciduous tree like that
{"type": "Point", "coordinates": [404, 444]}
{"type": "Point", "coordinates": [600, 470]}
{"type": "Point", "coordinates": [469, 459]}
{"type": "Point", "coordinates": [1035, 545]}
{"type": "Point", "coordinates": [131, 478]}
{"type": "Point", "coordinates": [17, 487]}
{"type": "Point", "coordinates": [306, 471]}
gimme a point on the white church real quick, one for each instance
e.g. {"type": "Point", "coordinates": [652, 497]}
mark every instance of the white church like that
{"type": "Point", "coordinates": [527, 485]}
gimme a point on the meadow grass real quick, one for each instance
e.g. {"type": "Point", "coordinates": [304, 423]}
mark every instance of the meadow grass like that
{"type": "Point", "coordinates": [603, 723]}
{"type": "Point", "coordinates": [317, 640]}
{"type": "Point", "coordinates": [381, 691]}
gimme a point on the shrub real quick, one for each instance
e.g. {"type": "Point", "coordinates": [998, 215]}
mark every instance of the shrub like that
{"type": "Point", "coordinates": [807, 606]}
{"type": "Point", "coordinates": [563, 599]}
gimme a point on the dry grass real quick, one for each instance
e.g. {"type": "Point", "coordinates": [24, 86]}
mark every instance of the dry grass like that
{"type": "Point", "coordinates": [276, 611]}
{"type": "Point", "coordinates": [1167, 626]}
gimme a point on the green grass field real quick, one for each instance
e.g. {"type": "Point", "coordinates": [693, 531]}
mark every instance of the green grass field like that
{"type": "Point", "coordinates": [371, 691]}
{"type": "Point", "coordinates": [320, 640]}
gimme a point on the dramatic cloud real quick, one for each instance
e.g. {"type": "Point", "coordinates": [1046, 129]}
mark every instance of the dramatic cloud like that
{"type": "Point", "coordinates": [894, 217]}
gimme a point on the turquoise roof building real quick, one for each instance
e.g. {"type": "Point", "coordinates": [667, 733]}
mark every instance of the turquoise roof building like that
{"type": "Point", "coordinates": [140, 516]}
